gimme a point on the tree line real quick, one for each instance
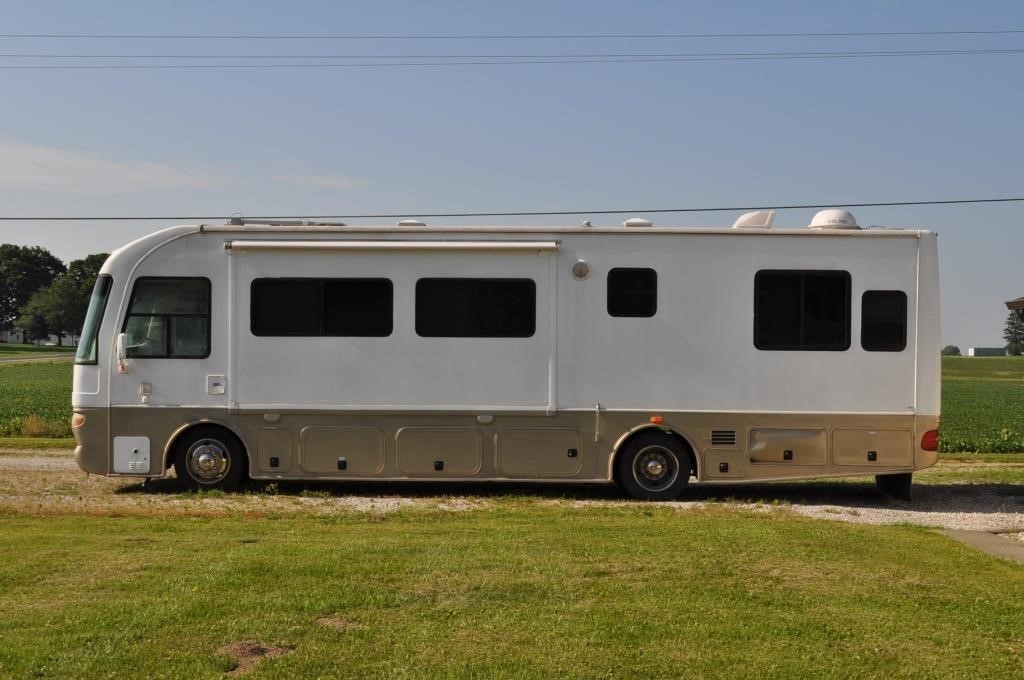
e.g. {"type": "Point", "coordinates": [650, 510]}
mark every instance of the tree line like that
{"type": "Point", "coordinates": [40, 296]}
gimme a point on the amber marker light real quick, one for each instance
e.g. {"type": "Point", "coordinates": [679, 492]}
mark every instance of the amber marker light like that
{"type": "Point", "coordinates": [657, 420]}
{"type": "Point", "coordinates": [77, 420]}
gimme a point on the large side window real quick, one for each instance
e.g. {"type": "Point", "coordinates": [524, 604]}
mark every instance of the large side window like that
{"type": "Point", "coordinates": [87, 346]}
{"type": "Point", "coordinates": [296, 307]}
{"type": "Point", "coordinates": [802, 310]}
{"type": "Point", "coordinates": [632, 291]}
{"type": "Point", "coordinates": [883, 321]}
{"type": "Point", "coordinates": [168, 318]}
{"type": "Point", "coordinates": [476, 308]}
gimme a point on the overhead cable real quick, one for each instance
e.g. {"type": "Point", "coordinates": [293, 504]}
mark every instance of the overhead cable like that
{"type": "Point", "coordinates": [516, 213]}
{"type": "Point", "coordinates": [497, 36]}
{"type": "Point", "coordinates": [550, 60]}
{"type": "Point", "coordinates": [573, 55]}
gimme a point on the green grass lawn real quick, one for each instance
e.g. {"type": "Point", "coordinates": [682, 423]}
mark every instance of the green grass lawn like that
{"type": "Point", "coordinates": [15, 350]}
{"type": "Point", "coordinates": [511, 591]}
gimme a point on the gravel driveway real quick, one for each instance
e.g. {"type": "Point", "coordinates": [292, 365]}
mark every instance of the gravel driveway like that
{"type": "Point", "coordinates": [53, 477]}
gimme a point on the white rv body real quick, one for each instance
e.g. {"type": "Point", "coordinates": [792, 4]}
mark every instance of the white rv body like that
{"type": "Point", "coordinates": [558, 404]}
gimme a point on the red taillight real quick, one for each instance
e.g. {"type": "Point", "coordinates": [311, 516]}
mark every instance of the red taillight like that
{"type": "Point", "coordinates": [930, 440]}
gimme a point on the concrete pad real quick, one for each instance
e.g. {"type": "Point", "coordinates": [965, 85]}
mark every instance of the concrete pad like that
{"type": "Point", "coordinates": [990, 543]}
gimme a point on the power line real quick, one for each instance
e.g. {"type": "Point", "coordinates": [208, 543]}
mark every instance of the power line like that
{"type": "Point", "coordinates": [526, 61]}
{"type": "Point", "coordinates": [518, 213]}
{"type": "Point", "coordinates": [496, 36]}
{"type": "Point", "coordinates": [574, 55]}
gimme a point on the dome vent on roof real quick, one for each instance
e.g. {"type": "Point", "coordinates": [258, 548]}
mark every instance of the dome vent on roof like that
{"type": "Point", "coordinates": [833, 219]}
{"type": "Point", "coordinates": [759, 219]}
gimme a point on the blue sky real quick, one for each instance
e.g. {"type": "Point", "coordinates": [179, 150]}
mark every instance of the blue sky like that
{"type": "Point", "coordinates": [511, 137]}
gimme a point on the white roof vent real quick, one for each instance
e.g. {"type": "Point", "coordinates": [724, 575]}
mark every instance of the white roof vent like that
{"type": "Point", "coordinates": [412, 223]}
{"type": "Point", "coordinates": [637, 222]}
{"type": "Point", "coordinates": [833, 219]}
{"type": "Point", "coordinates": [759, 219]}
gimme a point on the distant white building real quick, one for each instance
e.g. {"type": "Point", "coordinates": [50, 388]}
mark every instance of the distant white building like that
{"type": "Point", "coordinates": [15, 336]}
{"type": "Point", "coordinates": [986, 351]}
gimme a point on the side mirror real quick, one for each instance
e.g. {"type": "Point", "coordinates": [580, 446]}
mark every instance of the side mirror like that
{"type": "Point", "coordinates": [122, 353]}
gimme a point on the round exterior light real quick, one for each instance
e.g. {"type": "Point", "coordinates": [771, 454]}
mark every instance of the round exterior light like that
{"type": "Point", "coordinates": [580, 269]}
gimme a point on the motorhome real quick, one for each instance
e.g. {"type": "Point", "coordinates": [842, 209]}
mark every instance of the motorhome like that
{"type": "Point", "coordinates": [637, 354]}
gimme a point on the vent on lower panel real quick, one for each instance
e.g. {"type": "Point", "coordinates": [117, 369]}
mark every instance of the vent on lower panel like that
{"type": "Point", "coordinates": [723, 437]}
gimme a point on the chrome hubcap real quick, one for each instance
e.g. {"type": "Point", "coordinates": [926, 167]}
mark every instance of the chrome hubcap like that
{"type": "Point", "coordinates": [655, 468]}
{"type": "Point", "coordinates": [208, 461]}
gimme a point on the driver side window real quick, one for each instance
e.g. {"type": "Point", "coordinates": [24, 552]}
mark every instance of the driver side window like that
{"type": "Point", "coordinates": [168, 318]}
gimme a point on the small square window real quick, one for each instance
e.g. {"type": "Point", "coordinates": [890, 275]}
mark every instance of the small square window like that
{"type": "Point", "coordinates": [632, 292]}
{"type": "Point", "coordinates": [883, 326]}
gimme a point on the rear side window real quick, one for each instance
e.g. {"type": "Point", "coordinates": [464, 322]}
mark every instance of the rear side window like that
{"type": "Point", "coordinates": [298, 307]}
{"type": "Point", "coordinates": [476, 308]}
{"type": "Point", "coordinates": [168, 318]}
{"type": "Point", "coordinates": [632, 291]}
{"type": "Point", "coordinates": [802, 310]}
{"type": "Point", "coordinates": [883, 325]}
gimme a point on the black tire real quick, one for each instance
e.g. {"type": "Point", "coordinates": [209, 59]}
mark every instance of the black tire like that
{"type": "Point", "coordinates": [654, 466]}
{"type": "Point", "coordinates": [210, 457]}
{"type": "Point", "coordinates": [895, 486]}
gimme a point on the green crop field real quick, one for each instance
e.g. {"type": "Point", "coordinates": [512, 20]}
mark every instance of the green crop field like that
{"type": "Point", "coordinates": [982, 402]}
{"type": "Point", "coordinates": [35, 399]}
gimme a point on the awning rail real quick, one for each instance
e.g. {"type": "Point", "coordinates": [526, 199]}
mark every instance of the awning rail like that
{"type": "Point", "coordinates": [538, 247]}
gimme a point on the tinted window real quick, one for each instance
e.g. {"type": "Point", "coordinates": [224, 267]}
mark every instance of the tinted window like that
{"type": "Point", "coordinates": [802, 310]}
{"type": "Point", "coordinates": [476, 308]}
{"type": "Point", "coordinates": [168, 318]}
{"type": "Point", "coordinates": [632, 292]}
{"type": "Point", "coordinates": [883, 325]}
{"type": "Point", "coordinates": [321, 307]}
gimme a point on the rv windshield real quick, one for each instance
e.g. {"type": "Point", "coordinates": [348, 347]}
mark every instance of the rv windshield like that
{"type": "Point", "coordinates": [91, 330]}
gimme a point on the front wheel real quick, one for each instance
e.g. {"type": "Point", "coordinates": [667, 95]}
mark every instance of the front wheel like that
{"type": "Point", "coordinates": [209, 457]}
{"type": "Point", "coordinates": [654, 466]}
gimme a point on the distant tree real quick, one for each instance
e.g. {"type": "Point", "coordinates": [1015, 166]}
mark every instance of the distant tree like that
{"type": "Point", "coordinates": [24, 270]}
{"type": "Point", "coordinates": [62, 304]}
{"type": "Point", "coordinates": [950, 351]}
{"type": "Point", "coordinates": [32, 325]}
{"type": "Point", "coordinates": [1013, 333]}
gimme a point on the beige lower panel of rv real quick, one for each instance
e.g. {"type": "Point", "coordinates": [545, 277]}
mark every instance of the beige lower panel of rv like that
{"type": "Point", "coordinates": [340, 451]}
{"type": "Point", "coordinates": [567, 446]}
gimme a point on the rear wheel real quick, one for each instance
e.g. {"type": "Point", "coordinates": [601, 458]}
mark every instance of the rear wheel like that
{"type": "Point", "coordinates": [654, 466]}
{"type": "Point", "coordinates": [895, 486]}
{"type": "Point", "coordinates": [210, 457]}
